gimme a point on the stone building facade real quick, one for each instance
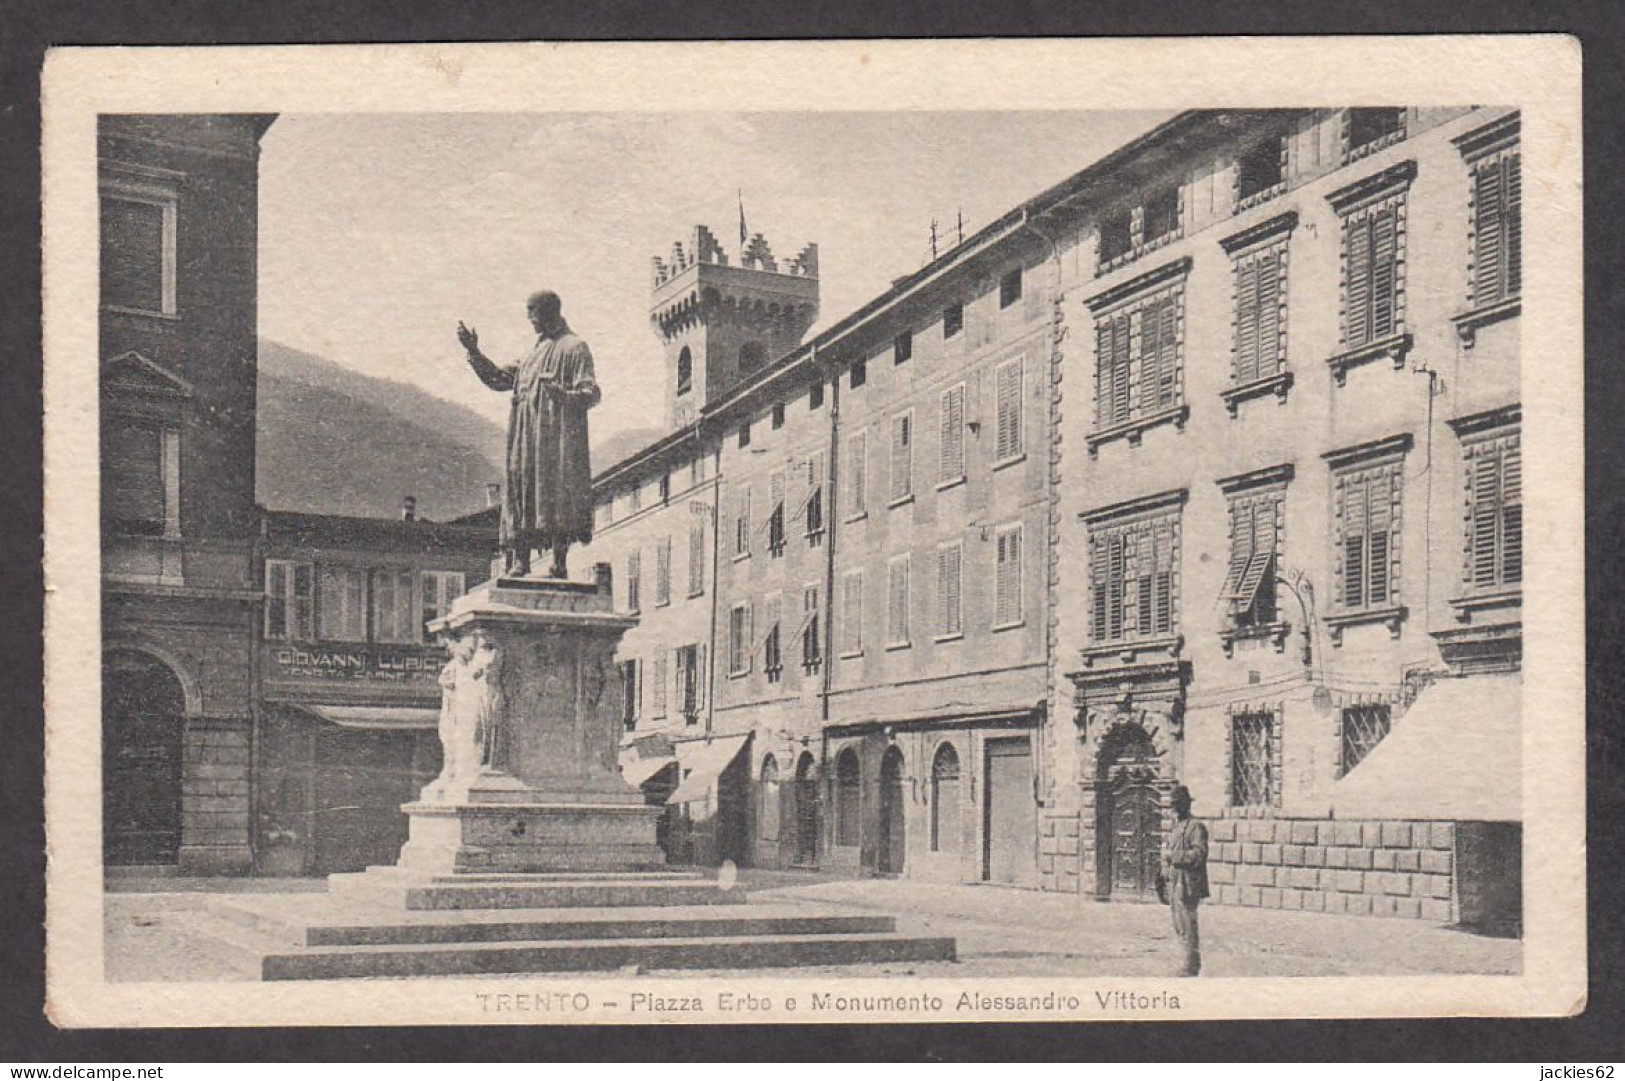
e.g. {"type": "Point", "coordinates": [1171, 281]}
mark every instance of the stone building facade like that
{"type": "Point", "coordinates": [180, 604]}
{"type": "Point", "coordinates": [1200, 467]}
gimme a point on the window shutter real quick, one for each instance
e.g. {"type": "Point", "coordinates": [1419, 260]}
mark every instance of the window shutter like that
{"type": "Point", "coordinates": [1117, 570]}
{"type": "Point", "coordinates": [696, 556]}
{"type": "Point", "coordinates": [276, 599]}
{"type": "Point", "coordinates": [1243, 513]}
{"type": "Point", "coordinates": [775, 493]}
{"type": "Point", "coordinates": [1008, 394]}
{"type": "Point", "coordinates": [1247, 319]}
{"type": "Point", "coordinates": [852, 613]}
{"type": "Point", "coordinates": [857, 454]}
{"type": "Point", "coordinates": [1385, 273]}
{"type": "Point", "coordinates": [1511, 170]}
{"type": "Point", "coordinates": [1486, 517]}
{"type": "Point", "coordinates": [951, 447]}
{"type": "Point", "coordinates": [1269, 315]}
{"type": "Point", "coordinates": [699, 677]}
{"type": "Point", "coordinates": [1097, 589]}
{"type": "Point", "coordinates": [1380, 494]}
{"type": "Point", "coordinates": [1489, 220]}
{"type": "Point", "coordinates": [948, 600]}
{"type": "Point", "coordinates": [1113, 343]}
{"type": "Point", "coordinates": [1512, 514]}
{"type": "Point", "coordinates": [304, 600]}
{"type": "Point", "coordinates": [1159, 355]}
{"type": "Point", "coordinates": [897, 602]}
{"type": "Point", "coordinates": [663, 571]}
{"type": "Point", "coordinates": [1007, 579]}
{"type": "Point", "coordinates": [658, 707]}
{"type": "Point", "coordinates": [902, 456]}
{"type": "Point", "coordinates": [1357, 281]}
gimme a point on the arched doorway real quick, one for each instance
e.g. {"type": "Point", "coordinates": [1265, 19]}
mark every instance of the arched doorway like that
{"type": "Point", "coordinates": [767, 814]}
{"type": "Point", "coordinates": [945, 823]}
{"type": "Point", "coordinates": [848, 795]}
{"type": "Point", "coordinates": [893, 840]}
{"type": "Point", "coordinates": [1130, 816]}
{"type": "Point", "coordinates": [806, 803]}
{"type": "Point", "coordinates": [143, 718]}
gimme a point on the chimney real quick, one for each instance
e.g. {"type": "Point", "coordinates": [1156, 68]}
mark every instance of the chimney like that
{"type": "Point", "coordinates": [409, 509]}
{"type": "Point", "coordinates": [493, 495]}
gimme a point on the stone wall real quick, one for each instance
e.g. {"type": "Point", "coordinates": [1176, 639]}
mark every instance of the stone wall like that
{"type": "Point", "coordinates": [1058, 852]}
{"type": "Point", "coordinates": [1359, 868]}
{"type": "Point", "coordinates": [214, 797]}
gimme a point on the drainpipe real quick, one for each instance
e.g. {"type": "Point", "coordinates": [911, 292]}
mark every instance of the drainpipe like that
{"type": "Point", "coordinates": [831, 474]}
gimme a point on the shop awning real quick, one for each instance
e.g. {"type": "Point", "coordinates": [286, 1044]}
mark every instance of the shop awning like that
{"type": "Point", "coordinates": [384, 717]}
{"type": "Point", "coordinates": [637, 770]}
{"type": "Point", "coordinates": [701, 763]}
{"type": "Point", "coordinates": [1455, 755]}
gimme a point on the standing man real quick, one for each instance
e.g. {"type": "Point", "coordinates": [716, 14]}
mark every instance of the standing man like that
{"type": "Point", "coordinates": [547, 501]}
{"type": "Point", "coordinates": [1184, 876]}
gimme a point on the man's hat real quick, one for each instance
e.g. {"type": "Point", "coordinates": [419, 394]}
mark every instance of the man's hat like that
{"type": "Point", "coordinates": [1180, 794]}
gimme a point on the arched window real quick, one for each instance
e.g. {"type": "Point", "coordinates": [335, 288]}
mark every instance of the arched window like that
{"type": "Point", "coordinates": [752, 355]}
{"type": "Point", "coordinates": [768, 818]}
{"type": "Point", "coordinates": [945, 829]}
{"type": "Point", "coordinates": [847, 790]}
{"type": "Point", "coordinates": [685, 371]}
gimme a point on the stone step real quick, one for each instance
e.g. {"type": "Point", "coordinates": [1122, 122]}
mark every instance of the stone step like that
{"type": "Point", "coordinates": [720, 952]}
{"type": "Point", "coordinates": [487, 878]}
{"type": "Point", "coordinates": [583, 894]}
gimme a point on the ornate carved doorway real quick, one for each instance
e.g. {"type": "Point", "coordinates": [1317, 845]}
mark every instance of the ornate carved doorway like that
{"type": "Point", "coordinates": [1130, 817]}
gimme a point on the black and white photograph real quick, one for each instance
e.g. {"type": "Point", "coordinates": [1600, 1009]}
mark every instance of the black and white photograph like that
{"type": "Point", "coordinates": [673, 544]}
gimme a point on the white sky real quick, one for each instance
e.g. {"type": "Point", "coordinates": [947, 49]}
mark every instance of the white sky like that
{"type": "Point", "coordinates": [379, 232]}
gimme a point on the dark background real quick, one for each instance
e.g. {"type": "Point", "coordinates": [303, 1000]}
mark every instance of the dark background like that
{"type": "Point", "coordinates": [28, 28]}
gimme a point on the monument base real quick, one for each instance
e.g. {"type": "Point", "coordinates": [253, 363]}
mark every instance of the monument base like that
{"type": "Point", "coordinates": [533, 836]}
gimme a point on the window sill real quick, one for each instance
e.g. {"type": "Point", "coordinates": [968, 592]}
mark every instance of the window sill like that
{"type": "Point", "coordinates": [1131, 651]}
{"type": "Point", "coordinates": [663, 604]}
{"type": "Point", "coordinates": [1375, 146]}
{"type": "Point", "coordinates": [1469, 323]}
{"type": "Point", "coordinates": [812, 667]}
{"type": "Point", "coordinates": [1012, 625]}
{"type": "Point", "coordinates": [1258, 198]}
{"type": "Point", "coordinates": [814, 538]}
{"type": "Point", "coordinates": [1473, 603]}
{"type": "Point", "coordinates": [696, 593]}
{"type": "Point", "coordinates": [951, 482]}
{"type": "Point", "coordinates": [1139, 251]}
{"type": "Point", "coordinates": [1134, 429]}
{"type": "Point", "coordinates": [857, 517]}
{"type": "Point", "coordinates": [1394, 348]}
{"type": "Point", "coordinates": [894, 646]}
{"type": "Point", "coordinates": [1006, 463]}
{"type": "Point", "coordinates": [1275, 633]}
{"type": "Point", "coordinates": [851, 654]}
{"type": "Point", "coordinates": [739, 675]}
{"type": "Point", "coordinates": [141, 313]}
{"type": "Point", "coordinates": [1277, 384]}
{"type": "Point", "coordinates": [1393, 615]}
{"type": "Point", "coordinates": [741, 557]}
{"type": "Point", "coordinates": [900, 501]}
{"type": "Point", "coordinates": [941, 638]}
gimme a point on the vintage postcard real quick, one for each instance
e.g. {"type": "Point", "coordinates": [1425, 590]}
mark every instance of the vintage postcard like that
{"type": "Point", "coordinates": [814, 532]}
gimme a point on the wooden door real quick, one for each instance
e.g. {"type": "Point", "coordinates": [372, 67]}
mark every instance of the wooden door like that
{"type": "Point", "coordinates": [142, 718]}
{"type": "Point", "coordinates": [1010, 846]}
{"type": "Point", "coordinates": [1136, 841]}
{"type": "Point", "coordinates": [893, 842]}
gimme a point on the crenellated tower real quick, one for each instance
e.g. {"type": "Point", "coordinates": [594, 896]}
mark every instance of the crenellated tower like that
{"type": "Point", "coordinates": [720, 323]}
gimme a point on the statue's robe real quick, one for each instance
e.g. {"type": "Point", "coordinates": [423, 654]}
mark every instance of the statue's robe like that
{"type": "Point", "coordinates": [547, 500]}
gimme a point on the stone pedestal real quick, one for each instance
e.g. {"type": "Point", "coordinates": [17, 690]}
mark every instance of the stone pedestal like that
{"type": "Point", "coordinates": [530, 725]}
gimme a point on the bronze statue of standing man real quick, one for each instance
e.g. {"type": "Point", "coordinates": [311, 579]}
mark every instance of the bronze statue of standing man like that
{"type": "Point", "coordinates": [547, 500]}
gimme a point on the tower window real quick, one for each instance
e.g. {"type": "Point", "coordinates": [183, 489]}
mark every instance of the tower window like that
{"type": "Point", "coordinates": [859, 374]}
{"type": "Point", "coordinates": [953, 320]}
{"type": "Point", "coordinates": [685, 371]}
{"type": "Point", "coordinates": [751, 356]}
{"type": "Point", "coordinates": [815, 396]}
{"type": "Point", "coordinates": [902, 348]}
{"type": "Point", "coordinates": [1010, 288]}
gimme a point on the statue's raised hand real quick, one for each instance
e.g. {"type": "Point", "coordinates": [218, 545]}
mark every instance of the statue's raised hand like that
{"type": "Point", "coordinates": [470, 340]}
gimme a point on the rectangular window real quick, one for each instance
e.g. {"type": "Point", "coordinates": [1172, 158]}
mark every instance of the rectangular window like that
{"type": "Point", "coordinates": [1497, 228]}
{"type": "Point", "coordinates": [1255, 525]}
{"type": "Point", "coordinates": [775, 516]}
{"type": "Point", "coordinates": [1260, 335]}
{"type": "Point", "coordinates": [812, 507]}
{"type": "Point", "coordinates": [1160, 215]}
{"type": "Point", "coordinates": [141, 478]}
{"type": "Point", "coordinates": [138, 251]}
{"type": "Point", "coordinates": [739, 643]}
{"type": "Point", "coordinates": [629, 694]}
{"type": "Point", "coordinates": [815, 397]}
{"type": "Point", "coordinates": [953, 320]}
{"type": "Point", "coordinates": [742, 523]}
{"type": "Point", "coordinates": [1007, 441]}
{"type": "Point", "coordinates": [635, 497]}
{"type": "Point", "coordinates": [1007, 608]}
{"type": "Point", "coordinates": [665, 488]}
{"type": "Point", "coordinates": [778, 416]}
{"type": "Point", "coordinates": [1116, 236]}
{"type": "Point", "coordinates": [772, 653]}
{"type": "Point", "coordinates": [1132, 581]}
{"type": "Point", "coordinates": [1363, 728]}
{"type": "Point", "coordinates": [394, 607]}
{"type": "Point", "coordinates": [436, 592]}
{"type": "Point", "coordinates": [951, 438]}
{"type": "Point", "coordinates": [1369, 130]}
{"type": "Point", "coordinates": [342, 604]}
{"type": "Point", "coordinates": [744, 434]}
{"type": "Point", "coordinates": [857, 467]}
{"type": "Point", "coordinates": [690, 682]}
{"type": "Point", "coordinates": [1260, 171]}
{"type": "Point", "coordinates": [663, 570]}
{"type": "Point", "coordinates": [1010, 288]}
{"type": "Point", "coordinates": [902, 456]}
{"type": "Point", "coordinates": [1494, 514]}
{"type": "Point", "coordinates": [897, 602]}
{"type": "Point", "coordinates": [1367, 514]}
{"type": "Point", "coordinates": [902, 348]}
{"type": "Point", "coordinates": [288, 600]}
{"type": "Point", "coordinates": [950, 621]}
{"type": "Point", "coordinates": [634, 582]}
{"type": "Point", "coordinates": [696, 555]}
{"type": "Point", "coordinates": [852, 613]}
{"type": "Point", "coordinates": [858, 374]}
{"type": "Point", "coordinates": [659, 686]}
{"type": "Point", "coordinates": [1372, 281]}
{"type": "Point", "coordinates": [812, 650]}
{"type": "Point", "coordinates": [1252, 759]}
{"type": "Point", "coordinates": [1138, 360]}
